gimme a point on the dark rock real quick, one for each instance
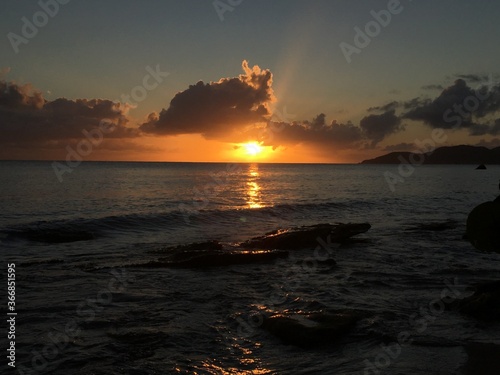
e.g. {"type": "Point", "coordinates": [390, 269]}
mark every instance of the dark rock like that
{"type": "Point", "coordinates": [483, 227]}
{"type": "Point", "coordinates": [271, 246]}
{"type": "Point", "coordinates": [216, 258]}
{"type": "Point", "coordinates": [182, 249]}
{"type": "Point", "coordinates": [310, 330]}
{"type": "Point", "coordinates": [306, 236]}
{"type": "Point", "coordinates": [481, 166]}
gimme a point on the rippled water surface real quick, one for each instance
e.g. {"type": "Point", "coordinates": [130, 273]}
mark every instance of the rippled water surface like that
{"type": "Point", "coordinates": [92, 307]}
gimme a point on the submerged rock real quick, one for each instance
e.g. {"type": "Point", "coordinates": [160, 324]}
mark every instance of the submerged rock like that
{"type": "Point", "coordinates": [216, 258]}
{"type": "Point", "coordinates": [306, 236]}
{"type": "Point", "coordinates": [310, 330]}
{"type": "Point", "coordinates": [226, 258]}
{"type": "Point", "coordinates": [271, 246]}
{"type": "Point", "coordinates": [484, 304]}
{"type": "Point", "coordinates": [483, 226]}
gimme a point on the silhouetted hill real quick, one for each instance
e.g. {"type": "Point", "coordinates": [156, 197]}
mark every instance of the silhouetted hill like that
{"type": "Point", "coordinates": [443, 155]}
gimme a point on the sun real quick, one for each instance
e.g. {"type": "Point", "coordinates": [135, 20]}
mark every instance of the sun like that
{"type": "Point", "coordinates": [252, 151]}
{"type": "Point", "coordinates": [252, 148]}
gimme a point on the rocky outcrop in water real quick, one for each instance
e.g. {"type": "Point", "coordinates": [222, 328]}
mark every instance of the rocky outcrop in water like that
{"type": "Point", "coordinates": [217, 258]}
{"type": "Point", "coordinates": [483, 226]}
{"type": "Point", "coordinates": [306, 236]}
{"type": "Point", "coordinates": [211, 254]}
{"type": "Point", "coordinates": [273, 245]}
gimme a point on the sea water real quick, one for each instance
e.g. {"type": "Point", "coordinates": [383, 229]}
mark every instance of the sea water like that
{"type": "Point", "coordinates": [92, 307]}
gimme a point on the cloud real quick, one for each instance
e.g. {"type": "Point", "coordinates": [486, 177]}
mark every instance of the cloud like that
{"type": "Point", "coordinates": [14, 96]}
{"type": "Point", "coordinates": [334, 135]}
{"type": "Point", "coordinates": [238, 109]}
{"type": "Point", "coordinates": [377, 127]}
{"type": "Point", "coordinates": [473, 78]}
{"type": "Point", "coordinates": [218, 108]}
{"type": "Point", "coordinates": [316, 133]}
{"type": "Point", "coordinates": [484, 129]}
{"type": "Point", "coordinates": [492, 143]}
{"type": "Point", "coordinates": [384, 108]}
{"type": "Point", "coordinates": [400, 147]}
{"type": "Point", "coordinates": [459, 106]}
{"type": "Point", "coordinates": [433, 87]}
{"type": "Point", "coordinates": [28, 119]}
{"type": "Point", "coordinates": [432, 112]}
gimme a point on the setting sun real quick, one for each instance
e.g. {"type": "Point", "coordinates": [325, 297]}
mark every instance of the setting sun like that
{"type": "Point", "coordinates": [252, 148]}
{"type": "Point", "coordinates": [252, 151]}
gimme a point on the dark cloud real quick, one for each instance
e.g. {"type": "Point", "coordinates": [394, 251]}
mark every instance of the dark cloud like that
{"type": "Point", "coordinates": [433, 87]}
{"type": "Point", "coordinates": [26, 118]}
{"type": "Point", "coordinates": [416, 102]}
{"type": "Point", "coordinates": [377, 127]}
{"type": "Point", "coordinates": [492, 143]}
{"type": "Point", "coordinates": [432, 112]}
{"type": "Point", "coordinates": [334, 135]}
{"type": "Point", "coordinates": [316, 133]}
{"type": "Point", "coordinates": [473, 78]}
{"type": "Point", "coordinates": [400, 147]}
{"type": "Point", "coordinates": [16, 97]}
{"type": "Point", "coordinates": [217, 108]}
{"type": "Point", "coordinates": [459, 106]}
{"type": "Point", "coordinates": [384, 108]}
{"type": "Point", "coordinates": [485, 129]}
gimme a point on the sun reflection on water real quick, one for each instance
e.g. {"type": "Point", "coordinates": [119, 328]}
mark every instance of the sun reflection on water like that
{"type": "Point", "coordinates": [254, 198]}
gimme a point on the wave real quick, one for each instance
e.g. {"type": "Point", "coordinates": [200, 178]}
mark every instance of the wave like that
{"type": "Point", "coordinates": [87, 229]}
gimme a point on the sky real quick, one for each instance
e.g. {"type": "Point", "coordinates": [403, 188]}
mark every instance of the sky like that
{"type": "Point", "coordinates": [246, 80]}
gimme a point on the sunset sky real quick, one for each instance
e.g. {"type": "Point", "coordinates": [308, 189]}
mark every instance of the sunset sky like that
{"type": "Point", "coordinates": [259, 80]}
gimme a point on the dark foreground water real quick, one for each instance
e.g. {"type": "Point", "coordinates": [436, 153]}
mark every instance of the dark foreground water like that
{"type": "Point", "coordinates": [93, 307]}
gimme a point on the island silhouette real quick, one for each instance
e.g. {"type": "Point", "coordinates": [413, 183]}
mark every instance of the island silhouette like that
{"type": "Point", "coordinates": [462, 154]}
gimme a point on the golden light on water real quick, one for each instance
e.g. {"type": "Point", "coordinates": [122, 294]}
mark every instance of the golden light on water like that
{"type": "Point", "coordinates": [254, 199]}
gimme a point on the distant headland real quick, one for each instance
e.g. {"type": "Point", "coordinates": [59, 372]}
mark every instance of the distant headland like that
{"type": "Point", "coordinates": [443, 155]}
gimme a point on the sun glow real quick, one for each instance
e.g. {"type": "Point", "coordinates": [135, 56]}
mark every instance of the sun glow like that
{"type": "Point", "coordinates": [252, 148]}
{"type": "Point", "coordinates": [252, 151]}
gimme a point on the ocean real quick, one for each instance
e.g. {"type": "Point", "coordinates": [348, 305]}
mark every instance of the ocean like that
{"type": "Point", "coordinates": [96, 306]}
